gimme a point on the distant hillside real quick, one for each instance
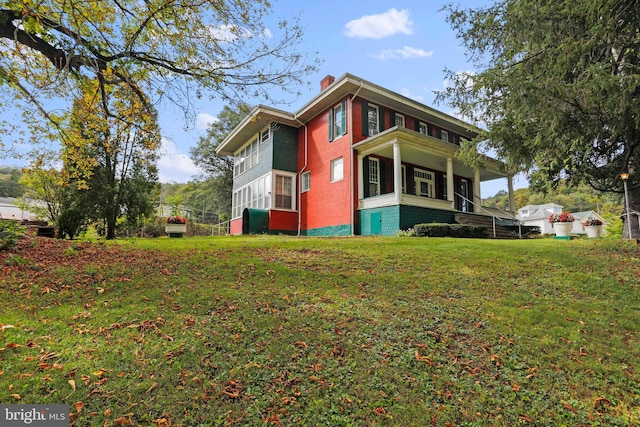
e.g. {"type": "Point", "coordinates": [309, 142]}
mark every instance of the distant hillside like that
{"type": "Point", "coordinates": [9, 182]}
{"type": "Point", "coordinates": [573, 199]}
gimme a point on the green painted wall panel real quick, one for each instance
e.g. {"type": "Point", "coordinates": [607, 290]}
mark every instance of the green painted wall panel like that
{"type": "Point", "coordinates": [389, 218]}
{"type": "Point", "coordinates": [335, 230]}
{"type": "Point", "coordinates": [285, 148]}
{"type": "Point", "coordinates": [412, 215]}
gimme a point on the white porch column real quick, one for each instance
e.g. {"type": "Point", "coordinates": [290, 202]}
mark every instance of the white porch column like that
{"type": "Point", "coordinates": [450, 186]}
{"type": "Point", "coordinates": [476, 188]}
{"type": "Point", "coordinates": [360, 177]}
{"type": "Point", "coordinates": [397, 172]}
{"type": "Point", "coordinates": [512, 204]}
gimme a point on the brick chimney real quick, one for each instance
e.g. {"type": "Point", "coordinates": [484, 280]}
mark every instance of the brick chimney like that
{"type": "Point", "coordinates": [324, 83]}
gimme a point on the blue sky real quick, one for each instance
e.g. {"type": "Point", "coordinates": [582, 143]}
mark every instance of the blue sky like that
{"type": "Point", "coordinates": [402, 45]}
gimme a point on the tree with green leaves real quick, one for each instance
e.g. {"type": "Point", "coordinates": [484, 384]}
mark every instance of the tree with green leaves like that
{"type": "Point", "coordinates": [219, 169]}
{"type": "Point", "coordinates": [161, 50]}
{"type": "Point", "coordinates": [111, 163]}
{"type": "Point", "coordinates": [557, 85]}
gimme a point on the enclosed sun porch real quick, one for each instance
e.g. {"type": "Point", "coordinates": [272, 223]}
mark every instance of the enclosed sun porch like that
{"type": "Point", "coordinates": [406, 178]}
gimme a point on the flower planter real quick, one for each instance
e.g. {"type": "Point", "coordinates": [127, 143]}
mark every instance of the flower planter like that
{"type": "Point", "coordinates": [175, 230]}
{"type": "Point", "coordinates": [593, 231]}
{"type": "Point", "coordinates": [562, 228]}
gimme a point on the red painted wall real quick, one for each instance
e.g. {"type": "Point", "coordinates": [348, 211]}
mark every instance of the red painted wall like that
{"type": "Point", "coordinates": [283, 221]}
{"type": "Point", "coordinates": [235, 227]}
{"type": "Point", "coordinates": [326, 203]}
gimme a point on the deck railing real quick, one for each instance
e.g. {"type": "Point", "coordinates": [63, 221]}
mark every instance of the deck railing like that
{"type": "Point", "coordinates": [493, 217]}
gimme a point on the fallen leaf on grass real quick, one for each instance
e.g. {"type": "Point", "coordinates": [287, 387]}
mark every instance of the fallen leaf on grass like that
{"type": "Point", "coordinates": [380, 411]}
{"type": "Point", "coordinates": [122, 421]}
{"type": "Point", "coordinates": [72, 383]}
{"type": "Point", "coordinates": [78, 406]}
{"type": "Point", "coordinates": [15, 396]}
{"type": "Point", "coordinates": [3, 327]}
{"type": "Point", "coordinates": [425, 359]}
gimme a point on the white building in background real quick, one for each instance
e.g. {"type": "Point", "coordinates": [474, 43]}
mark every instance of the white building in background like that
{"type": "Point", "coordinates": [10, 210]}
{"type": "Point", "coordinates": [538, 216]}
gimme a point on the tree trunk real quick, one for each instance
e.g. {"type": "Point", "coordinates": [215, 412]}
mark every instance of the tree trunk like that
{"type": "Point", "coordinates": [630, 222]}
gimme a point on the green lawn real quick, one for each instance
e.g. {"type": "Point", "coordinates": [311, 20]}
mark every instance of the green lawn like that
{"type": "Point", "coordinates": [328, 332]}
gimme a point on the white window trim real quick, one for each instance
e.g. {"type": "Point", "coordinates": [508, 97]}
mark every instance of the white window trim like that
{"type": "Point", "coordinates": [259, 191]}
{"type": "Point", "coordinates": [444, 135]}
{"type": "Point", "coordinates": [403, 169]}
{"type": "Point", "coordinates": [377, 183]}
{"type": "Point", "coordinates": [377, 128]}
{"type": "Point", "coordinates": [401, 117]}
{"type": "Point", "coordinates": [333, 162]}
{"type": "Point", "coordinates": [304, 188]}
{"type": "Point", "coordinates": [243, 156]}
{"type": "Point", "coordinates": [334, 132]}
{"type": "Point", "coordinates": [293, 190]}
{"type": "Point", "coordinates": [426, 128]}
{"type": "Point", "coordinates": [431, 182]}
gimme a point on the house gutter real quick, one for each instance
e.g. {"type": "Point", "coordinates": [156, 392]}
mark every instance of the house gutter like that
{"type": "Point", "coordinates": [351, 187]}
{"type": "Point", "coordinates": [300, 175]}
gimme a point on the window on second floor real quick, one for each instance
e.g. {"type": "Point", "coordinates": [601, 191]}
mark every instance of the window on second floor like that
{"type": "Point", "coordinates": [423, 128]}
{"type": "Point", "coordinates": [372, 115]}
{"type": "Point", "coordinates": [338, 121]}
{"type": "Point", "coordinates": [444, 135]}
{"type": "Point", "coordinates": [246, 158]}
{"type": "Point", "coordinates": [399, 120]}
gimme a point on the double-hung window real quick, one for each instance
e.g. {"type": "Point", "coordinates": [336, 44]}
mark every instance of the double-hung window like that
{"type": "Point", "coordinates": [338, 121]}
{"type": "Point", "coordinates": [399, 120]}
{"type": "Point", "coordinates": [374, 177]}
{"type": "Point", "coordinates": [372, 119]}
{"type": "Point", "coordinates": [284, 192]}
{"type": "Point", "coordinates": [444, 135]}
{"type": "Point", "coordinates": [423, 128]}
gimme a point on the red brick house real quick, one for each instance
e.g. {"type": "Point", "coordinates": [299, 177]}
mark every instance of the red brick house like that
{"type": "Point", "coordinates": [356, 159]}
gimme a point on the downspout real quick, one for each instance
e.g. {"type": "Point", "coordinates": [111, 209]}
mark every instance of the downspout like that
{"type": "Point", "coordinates": [351, 187]}
{"type": "Point", "coordinates": [300, 177]}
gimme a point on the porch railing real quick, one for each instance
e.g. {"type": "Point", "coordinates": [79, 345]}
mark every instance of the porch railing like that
{"type": "Point", "coordinates": [493, 217]}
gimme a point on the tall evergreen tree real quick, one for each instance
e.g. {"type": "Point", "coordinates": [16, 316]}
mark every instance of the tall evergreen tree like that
{"type": "Point", "coordinates": [558, 86]}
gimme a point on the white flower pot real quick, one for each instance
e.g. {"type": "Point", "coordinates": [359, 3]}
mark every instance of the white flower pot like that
{"type": "Point", "coordinates": [593, 231]}
{"type": "Point", "coordinates": [562, 228]}
{"type": "Point", "coordinates": [175, 230]}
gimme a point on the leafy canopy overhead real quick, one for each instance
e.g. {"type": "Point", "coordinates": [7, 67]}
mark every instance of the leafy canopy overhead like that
{"type": "Point", "coordinates": [161, 49]}
{"type": "Point", "coordinates": [557, 84]}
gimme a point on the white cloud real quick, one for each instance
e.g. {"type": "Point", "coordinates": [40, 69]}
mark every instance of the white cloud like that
{"type": "Point", "coordinates": [267, 34]}
{"type": "Point", "coordinates": [380, 25]}
{"type": "Point", "coordinates": [203, 120]}
{"type": "Point", "coordinates": [405, 92]}
{"type": "Point", "coordinates": [406, 52]}
{"type": "Point", "coordinates": [174, 165]}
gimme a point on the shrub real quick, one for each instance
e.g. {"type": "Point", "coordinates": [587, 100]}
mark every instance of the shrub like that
{"type": "Point", "coordinates": [449, 230]}
{"type": "Point", "coordinates": [10, 232]}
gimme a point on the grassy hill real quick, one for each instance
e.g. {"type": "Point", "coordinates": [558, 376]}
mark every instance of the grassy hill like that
{"type": "Point", "coordinates": [304, 331]}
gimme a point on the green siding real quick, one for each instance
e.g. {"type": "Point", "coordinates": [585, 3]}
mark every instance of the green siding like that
{"type": "Point", "coordinates": [412, 215]}
{"type": "Point", "coordinates": [334, 230]}
{"type": "Point", "coordinates": [285, 148]}
{"type": "Point", "coordinates": [389, 221]}
{"type": "Point", "coordinates": [400, 217]}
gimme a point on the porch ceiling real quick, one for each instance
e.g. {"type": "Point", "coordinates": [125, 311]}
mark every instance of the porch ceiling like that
{"type": "Point", "coordinates": [425, 151]}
